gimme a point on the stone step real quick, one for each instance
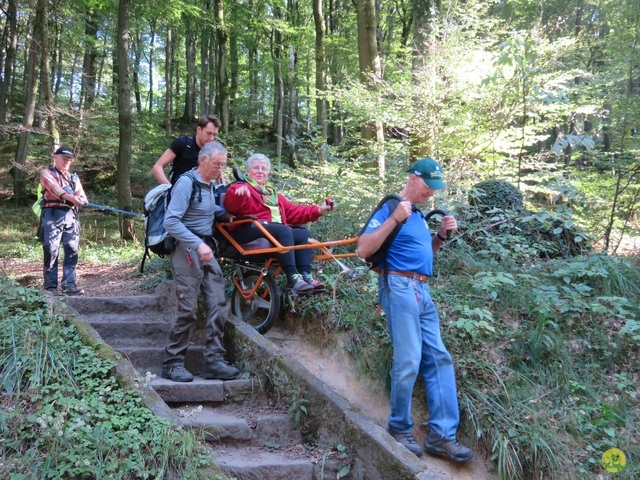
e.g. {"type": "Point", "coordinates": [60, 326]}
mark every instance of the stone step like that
{"type": "Point", "coordinates": [149, 359]}
{"type": "Point", "coordinates": [201, 390]}
{"type": "Point", "coordinates": [152, 316]}
{"type": "Point", "coordinates": [217, 427]}
{"type": "Point", "coordinates": [123, 333]}
{"type": "Point", "coordinates": [266, 425]}
{"type": "Point", "coordinates": [140, 304]}
{"type": "Point", "coordinates": [255, 463]}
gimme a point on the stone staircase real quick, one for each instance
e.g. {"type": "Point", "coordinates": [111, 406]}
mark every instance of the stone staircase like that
{"type": "Point", "coordinates": [246, 421]}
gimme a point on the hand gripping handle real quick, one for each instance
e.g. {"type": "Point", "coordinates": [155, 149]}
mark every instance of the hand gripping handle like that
{"type": "Point", "coordinates": [440, 212]}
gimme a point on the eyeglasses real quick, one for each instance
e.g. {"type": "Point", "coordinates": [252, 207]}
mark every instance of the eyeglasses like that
{"type": "Point", "coordinates": [218, 166]}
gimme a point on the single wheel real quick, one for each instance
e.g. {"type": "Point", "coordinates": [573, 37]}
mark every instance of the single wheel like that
{"type": "Point", "coordinates": [263, 309]}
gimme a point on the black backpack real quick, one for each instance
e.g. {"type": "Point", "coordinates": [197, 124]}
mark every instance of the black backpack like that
{"type": "Point", "coordinates": [376, 257]}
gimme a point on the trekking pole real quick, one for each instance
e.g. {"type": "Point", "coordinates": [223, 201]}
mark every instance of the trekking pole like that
{"type": "Point", "coordinates": [111, 209]}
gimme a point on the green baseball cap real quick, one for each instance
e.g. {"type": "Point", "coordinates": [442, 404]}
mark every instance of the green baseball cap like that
{"type": "Point", "coordinates": [430, 171]}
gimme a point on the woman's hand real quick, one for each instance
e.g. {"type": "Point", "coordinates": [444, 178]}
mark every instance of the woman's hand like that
{"type": "Point", "coordinates": [243, 190]}
{"type": "Point", "coordinates": [327, 205]}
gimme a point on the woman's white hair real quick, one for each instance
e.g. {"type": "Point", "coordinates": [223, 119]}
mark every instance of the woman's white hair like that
{"type": "Point", "coordinates": [257, 157]}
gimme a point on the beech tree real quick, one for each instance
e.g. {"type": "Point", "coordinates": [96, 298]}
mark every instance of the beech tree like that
{"type": "Point", "coordinates": [32, 75]}
{"type": "Point", "coordinates": [370, 73]}
{"type": "Point", "coordinates": [124, 119]}
{"type": "Point", "coordinates": [321, 73]}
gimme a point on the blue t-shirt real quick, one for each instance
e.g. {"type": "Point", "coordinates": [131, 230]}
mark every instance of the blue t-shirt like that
{"type": "Point", "coordinates": [411, 250]}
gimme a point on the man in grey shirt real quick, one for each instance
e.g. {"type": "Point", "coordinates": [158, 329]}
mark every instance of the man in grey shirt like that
{"type": "Point", "coordinates": [189, 220]}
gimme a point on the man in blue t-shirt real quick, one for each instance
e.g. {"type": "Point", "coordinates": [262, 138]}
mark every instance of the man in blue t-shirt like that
{"type": "Point", "coordinates": [183, 152]}
{"type": "Point", "coordinates": [412, 319]}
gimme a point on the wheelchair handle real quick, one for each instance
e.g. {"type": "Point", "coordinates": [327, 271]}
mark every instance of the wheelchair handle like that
{"type": "Point", "coordinates": [440, 212]}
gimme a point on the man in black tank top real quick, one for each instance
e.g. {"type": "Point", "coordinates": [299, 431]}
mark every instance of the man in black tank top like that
{"type": "Point", "coordinates": [183, 151]}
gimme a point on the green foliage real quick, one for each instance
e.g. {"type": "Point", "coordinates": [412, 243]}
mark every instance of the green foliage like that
{"type": "Point", "coordinates": [298, 407]}
{"type": "Point", "coordinates": [473, 321]}
{"type": "Point", "coordinates": [496, 194]}
{"type": "Point", "coordinates": [63, 413]}
{"type": "Point", "coordinates": [507, 235]}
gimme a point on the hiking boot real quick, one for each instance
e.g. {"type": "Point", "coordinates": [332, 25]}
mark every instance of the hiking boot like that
{"type": "Point", "coordinates": [219, 369]}
{"type": "Point", "coordinates": [72, 290]}
{"type": "Point", "coordinates": [407, 440]}
{"type": "Point", "coordinates": [176, 373]}
{"type": "Point", "coordinates": [317, 286]}
{"type": "Point", "coordinates": [450, 449]}
{"type": "Point", "coordinates": [53, 291]}
{"type": "Point", "coordinates": [296, 285]}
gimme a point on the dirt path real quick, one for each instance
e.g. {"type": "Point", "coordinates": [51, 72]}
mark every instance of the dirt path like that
{"type": "Point", "coordinates": [96, 280]}
{"type": "Point", "coordinates": [336, 369]}
{"type": "Point", "coordinates": [330, 364]}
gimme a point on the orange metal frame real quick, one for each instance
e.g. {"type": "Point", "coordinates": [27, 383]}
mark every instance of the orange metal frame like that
{"type": "Point", "coordinates": [277, 248]}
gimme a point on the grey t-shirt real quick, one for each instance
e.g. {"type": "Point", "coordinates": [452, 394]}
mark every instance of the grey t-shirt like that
{"type": "Point", "coordinates": [190, 217]}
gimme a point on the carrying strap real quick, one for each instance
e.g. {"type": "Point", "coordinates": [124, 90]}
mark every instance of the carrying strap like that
{"type": "Point", "coordinates": [392, 201]}
{"type": "Point", "coordinates": [73, 178]}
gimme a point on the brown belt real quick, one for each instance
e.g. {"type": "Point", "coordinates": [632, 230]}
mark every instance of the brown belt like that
{"type": "Point", "coordinates": [415, 276]}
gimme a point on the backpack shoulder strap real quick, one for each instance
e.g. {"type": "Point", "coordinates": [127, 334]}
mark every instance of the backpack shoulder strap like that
{"type": "Point", "coordinates": [194, 186]}
{"type": "Point", "coordinates": [392, 201]}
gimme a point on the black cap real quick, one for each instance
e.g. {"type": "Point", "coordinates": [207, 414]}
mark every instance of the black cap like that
{"type": "Point", "coordinates": [64, 151]}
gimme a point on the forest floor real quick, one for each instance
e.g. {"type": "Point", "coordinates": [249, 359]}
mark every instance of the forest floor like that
{"type": "Point", "coordinates": [331, 364]}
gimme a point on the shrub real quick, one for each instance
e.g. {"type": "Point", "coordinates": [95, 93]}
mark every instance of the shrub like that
{"type": "Point", "coordinates": [494, 193]}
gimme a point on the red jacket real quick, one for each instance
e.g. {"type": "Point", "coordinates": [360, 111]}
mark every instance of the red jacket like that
{"type": "Point", "coordinates": [253, 204]}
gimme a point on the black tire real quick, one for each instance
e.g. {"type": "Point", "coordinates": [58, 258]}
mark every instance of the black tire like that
{"type": "Point", "coordinates": [263, 310]}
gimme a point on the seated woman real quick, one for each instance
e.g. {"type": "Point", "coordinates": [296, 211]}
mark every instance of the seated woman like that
{"type": "Point", "coordinates": [258, 198]}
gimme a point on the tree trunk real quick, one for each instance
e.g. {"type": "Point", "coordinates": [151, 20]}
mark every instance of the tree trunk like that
{"type": "Point", "coordinates": [56, 64]}
{"type": "Point", "coordinates": [31, 76]}
{"type": "Point", "coordinates": [190, 90]}
{"type": "Point", "coordinates": [425, 14]}
{"type": "Point", "coordinates": [47, 92]}
{"type": "Point", "coordinates": [337, 127]}
{"type": "Point", "coordinates": [292, 103]}
{"type": "Point", "coordinates": [137, 53]}
{"type": "Point", "coordinates": [9, 61]}
{"type": "Point", "coordinates": [168, 80]}
{"type": "Point", "coordinates": [278, 90]}
{"type": "Point", "coordinates": [370, 73]}
{"type": "Point", "coordinates": [152, 43]}
{"type": "Point", "coordinates": [222, 99]}
{"type": "Point", "coordinates": [234, 67]}
{"type": "Point", "coordinates": [253, 81]}
{"type": "Point", "coordinates": [206, 88]}
{"type": "Point", "coordinates": [321, 77]}
{"type": "Point", "coordinates": [124, 120]}
{"type": "Point", "coordinates": [88, 84]}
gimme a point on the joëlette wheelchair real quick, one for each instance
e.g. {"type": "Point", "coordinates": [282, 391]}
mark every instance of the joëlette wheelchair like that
{"type": "Point", "coordinates": [256, 297]}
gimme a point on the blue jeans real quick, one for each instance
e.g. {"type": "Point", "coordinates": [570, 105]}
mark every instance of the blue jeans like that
{"type": "Point", "coordinates": [414, 327]}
